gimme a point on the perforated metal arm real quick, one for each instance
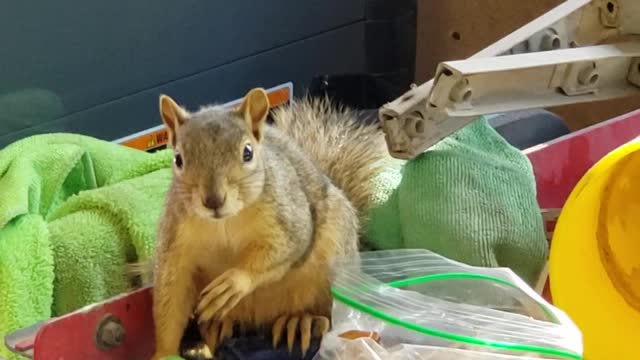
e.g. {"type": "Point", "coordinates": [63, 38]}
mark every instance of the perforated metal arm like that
{"type": "Point", "coordinates": [580, 51]}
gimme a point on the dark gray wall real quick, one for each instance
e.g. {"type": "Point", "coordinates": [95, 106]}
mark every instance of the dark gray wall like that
{"type": "Point", "coordinates": [98, 67]}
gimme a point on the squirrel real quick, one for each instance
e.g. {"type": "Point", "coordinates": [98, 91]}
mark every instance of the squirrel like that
{"type": "Point", "coordinates": [255, 214]}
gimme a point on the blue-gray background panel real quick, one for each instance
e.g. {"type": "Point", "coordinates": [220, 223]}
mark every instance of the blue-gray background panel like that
{"type": "Point", "coordinates": [61, 62]}
{"type": "Point", "coordinates": [336, 51]}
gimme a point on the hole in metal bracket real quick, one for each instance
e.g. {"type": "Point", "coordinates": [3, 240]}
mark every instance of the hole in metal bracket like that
{"type": "Point", "coordinates": [550, 40]}
{"type": "Point", "coordinates": [417, 120]}
{"type": "Point", "coordinates": [588, 76]}
{"type": "Point", "coordinates": [461, 92]}
{"type": "Point", "coordinates": [110, 333]}
{"type": "Point", "coordinates": [611, 7]}
{"type": "Point", "coordinates": [447, 72]}
{"type": "Point", "coordinates": [467, 95]}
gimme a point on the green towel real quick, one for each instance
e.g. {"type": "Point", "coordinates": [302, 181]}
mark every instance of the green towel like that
{"type": "Point", "coordinates": [73, 211]}
{"type": "Point", "coordinates": [471, 198]}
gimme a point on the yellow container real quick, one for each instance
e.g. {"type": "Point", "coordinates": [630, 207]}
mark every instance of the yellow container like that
{"type": "Point", "coordinates": [595, 256]}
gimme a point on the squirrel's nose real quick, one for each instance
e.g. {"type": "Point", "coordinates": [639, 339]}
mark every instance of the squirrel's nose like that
{"type": "Point", "coordinates": [214, 202]}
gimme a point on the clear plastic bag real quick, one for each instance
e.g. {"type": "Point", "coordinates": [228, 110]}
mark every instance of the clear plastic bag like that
{"type": "Point", "coordinates": [425, 306]}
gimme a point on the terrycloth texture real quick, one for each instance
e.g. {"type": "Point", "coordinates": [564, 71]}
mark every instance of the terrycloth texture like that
{"type": "Point", "coordinates": [73, 210]}
{"type": "Point", "coordinates": [472, 198]}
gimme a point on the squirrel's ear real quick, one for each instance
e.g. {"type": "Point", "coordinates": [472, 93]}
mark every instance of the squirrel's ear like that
{"type": "Point", "coordinates": [255, 108]}
{"type": "Point", "coordinates": [172, 115]}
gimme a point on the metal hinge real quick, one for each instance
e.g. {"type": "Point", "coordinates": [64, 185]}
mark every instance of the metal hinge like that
{"type": "Point", "coordinates": [580, 51]}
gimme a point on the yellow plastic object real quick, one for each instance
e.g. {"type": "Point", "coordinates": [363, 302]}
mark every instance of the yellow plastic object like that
{"type": "Point", "coordinates": [595, 256]}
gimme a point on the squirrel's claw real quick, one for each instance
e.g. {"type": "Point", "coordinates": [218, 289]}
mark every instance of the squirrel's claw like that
{"type": "Point", "coordinates": [308, 326]}
{"type": "Point", "coordinates": [215, 332]}
{"type": "Point", "coordinates": [222, 295]}
{"type": "Point", "coordinates": [292, 327]}
{"type": "Point", "coordinates": [305, 333]}
{"type": "Point", "coordinates": [276, 330]}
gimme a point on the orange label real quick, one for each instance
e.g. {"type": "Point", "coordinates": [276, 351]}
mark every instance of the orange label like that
{"type": "Point", "coordinates": [158, 138]}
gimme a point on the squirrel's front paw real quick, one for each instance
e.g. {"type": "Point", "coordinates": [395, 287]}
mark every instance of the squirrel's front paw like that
{"type": "Point", "coordinates": [223, 294]}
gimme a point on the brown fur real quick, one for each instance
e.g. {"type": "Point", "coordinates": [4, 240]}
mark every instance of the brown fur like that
{"type": "Point", "coordinates": [350, 152]}
{"type": "Point", "coordinates": [265, 252]}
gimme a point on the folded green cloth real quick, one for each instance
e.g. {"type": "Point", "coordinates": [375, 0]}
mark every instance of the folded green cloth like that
{"type": "Point", "coordinates": [73, 211]}
{"type": "Point", "coordinates": [471, 198]}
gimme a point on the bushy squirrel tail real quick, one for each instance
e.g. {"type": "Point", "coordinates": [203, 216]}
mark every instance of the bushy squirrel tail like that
{"type": "Point", "coordinates": [350, 151]}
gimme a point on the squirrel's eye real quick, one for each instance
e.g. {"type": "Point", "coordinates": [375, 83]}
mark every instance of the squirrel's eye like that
{"type": "Point", "coordinates": [247, 154]}
{"type": "Point", "coordinates": [177, 159]}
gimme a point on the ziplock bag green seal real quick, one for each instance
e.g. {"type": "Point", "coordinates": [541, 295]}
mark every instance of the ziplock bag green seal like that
{"type": "Point", "coordinates": [419, 300]}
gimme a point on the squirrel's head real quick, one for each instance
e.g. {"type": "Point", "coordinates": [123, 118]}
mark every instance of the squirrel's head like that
{"type": "Point", "coordinates": [218, 167]}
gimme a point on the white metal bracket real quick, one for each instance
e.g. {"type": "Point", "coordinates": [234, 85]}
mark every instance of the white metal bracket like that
{"type": "Point", "coordinates": [580, 51]}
